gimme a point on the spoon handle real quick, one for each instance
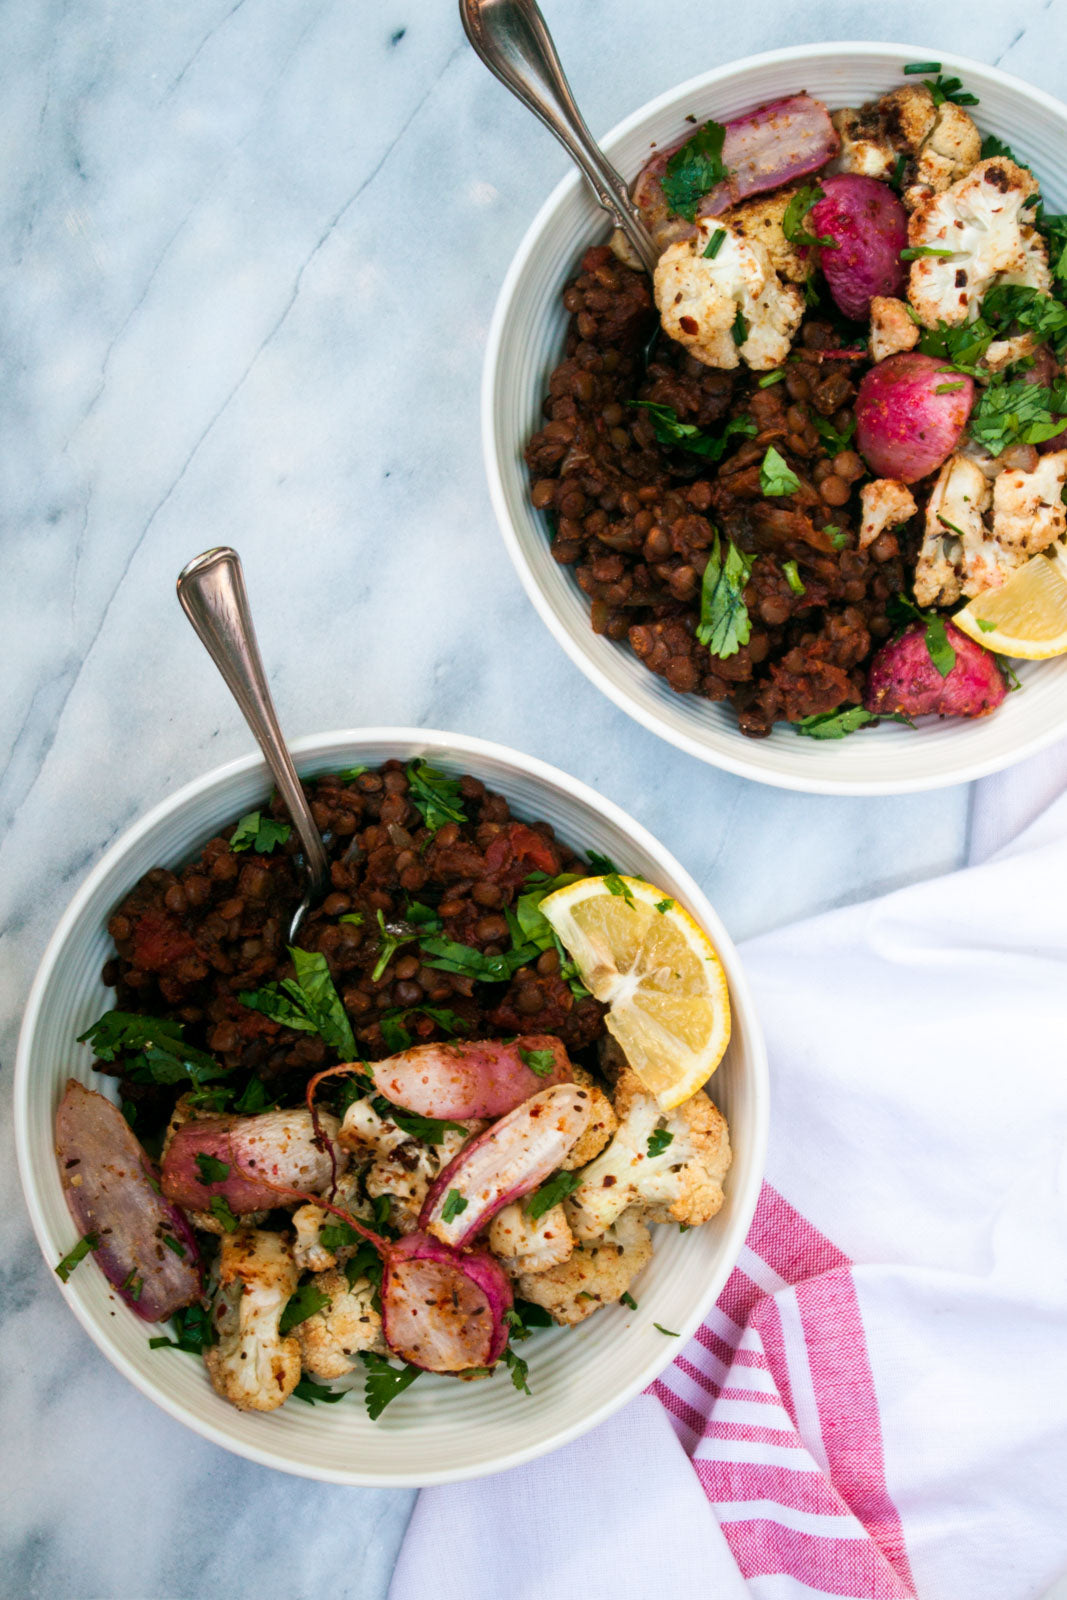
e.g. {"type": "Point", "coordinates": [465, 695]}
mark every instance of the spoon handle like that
{"type": "Point", "coordinates": [213, 596]}
{"type": "Point", "coordinates": [512, 39]}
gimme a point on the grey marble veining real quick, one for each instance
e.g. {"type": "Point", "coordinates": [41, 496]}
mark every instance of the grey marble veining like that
{"type": "Point", "coordinates": [249, 254]}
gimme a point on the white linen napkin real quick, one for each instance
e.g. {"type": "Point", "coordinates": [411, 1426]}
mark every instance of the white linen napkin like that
{"type": "Point", "coordinates": [878, 1404]}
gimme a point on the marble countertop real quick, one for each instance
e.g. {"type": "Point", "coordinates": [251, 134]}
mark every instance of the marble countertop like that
{"type": "Point", "coordinates": [250, 256]}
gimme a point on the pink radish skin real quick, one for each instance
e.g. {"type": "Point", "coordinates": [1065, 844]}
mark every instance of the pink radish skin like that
{"type": "Point", "coordinates": [109, 1185]}
{"type": "Point", "coordinates": [443, 1311]}
{"type": "Point", "coordinates": [276, 1148]}
{"type": "Point", "coordinates": [869, 227]}
{"type": "Point", "coordinates": [903, 678]}
{"type": "Point", "coordinates": [905, 429]}
{"type": "Point", "coordinates": [507, 1161]}
{"type": "Point", "coordinates": [483, 1078]}
{"type": "Point", "coordinates": [775, 144]}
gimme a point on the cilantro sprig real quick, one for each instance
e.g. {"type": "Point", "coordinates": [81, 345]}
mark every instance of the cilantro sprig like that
{"type": "Point", "coordinates": [259, 833]}
{"type": "Point", "coordinates": [384, 1382]}
{"type": "Point", "coordinates": [724, 624]}
{"type": "Point", "coordinates": [678, 435]}
{"type": "Point", "coordinates": [434, 795]}
{"type": "Point", "coordinates": [694, 170]}
{"type": "Point", "coordinates": [153, 1046]}
{"type": "Point", "coordinates": [308, 1002]}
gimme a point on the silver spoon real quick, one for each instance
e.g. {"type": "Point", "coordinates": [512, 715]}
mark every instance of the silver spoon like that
{"type": "Point", "coordinates": [516, 46]}
{"type": "Point", "coordinates": [213, 596]}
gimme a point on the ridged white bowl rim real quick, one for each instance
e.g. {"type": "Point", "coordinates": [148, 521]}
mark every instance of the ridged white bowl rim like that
{"type": "Point", "coordinates": [977, 747]}
{"type": "Point", "coordinates": [37, 1165]}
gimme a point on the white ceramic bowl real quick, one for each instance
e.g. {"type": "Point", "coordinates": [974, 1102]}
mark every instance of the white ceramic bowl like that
{"type": "Point", "coordinates": [440, 1430]}
{"type": "Point", "coordinates": [525, 343]}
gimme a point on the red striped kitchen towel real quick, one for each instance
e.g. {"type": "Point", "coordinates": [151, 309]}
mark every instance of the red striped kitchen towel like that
{"type": "Point", "coordinates": [774, 1403]}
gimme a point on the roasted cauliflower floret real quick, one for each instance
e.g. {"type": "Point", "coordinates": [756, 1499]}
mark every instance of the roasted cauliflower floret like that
{"type": "Point", "coordinates": [949, 151]}
{"type": "Point", "coordinates": [330, 1339]}
{"type": "Point", "coordinates": [938, 143]}
{"type": "Point", "coordinates": [980, 221]}
{"type": "Point", "coordinates": [252, 1366]}
{"type": "Point", "coordinates": [760, 220]}
{"type": "Point", "coordinates": [673, 1161]}
{"type": "Point", "coordinates": [401, 1167]}
{"type": "Point", "coordinates": [892, 328]}
{"type": "Point", "coordinates": [955, 542]}
{"type": "Point", "coordinates": [596, 1274]}
{"type": "Point", "coordinates": [309, 1252]}
{"type": "Point", "coordinates": [524, 1245]}
{"type": "Point", "coordinates": [886, 504]}
{"type": "Point", "coordinates": [1028, 509]}
{"type": "Point", "coordinates": [729, 307]}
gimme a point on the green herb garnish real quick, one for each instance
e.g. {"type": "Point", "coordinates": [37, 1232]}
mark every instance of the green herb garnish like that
{"type": "Point", "coordinates": [84, 1245]}
{"type": "Point", "coordinates": [1017, 412]}
{"type": "Point", "coordinates": [307, 1389]}
{"type": "Point", "coordinates": [659, 1140]}
{"type": "Point", "coordinates": [618, 886]}
{"type": "Point", "coordinates": [222, 1213]}
{"type": "Point", "coordinates": [557, 1188]}
{"type": "Point", "coordinates": [454, 1206]}
{"type": "Point", "coordinates": [161, 1055]}
{"type": "Point", "coordinates": [174, 1245]}
{"type": "Point", "coordinates": [687, 436]}
{"type": "Point", "coordinates": [776, 476]}
{"type": "Point", "coordinates": [663, 906]}
{"type": "Point", "coordinates": [384, 1382]}
{"type": "Point", "coordinates": [740, 328]}
{"type": "Point", "coordinates": [211, 1169]}
{"type": "Point", "coordinates": [835, 439]}
{"type": "Point", "coordinates": [434, 795]}
{"type": "Point", "coordinates": [724, 624]}
{"type": "Point", "coordinates": [714, 244]}
{"type": "Point", "coordinates": [519, 1370]}
{"type": "Point", "coordinates": [834, 724]}
{"type": "Point", "coordinates": [447, 955]}
{"type": "Point", "coordinates": [259, 833]}
{"type": "Point", "coordinates": [694, 170]}
{"type": "Point", "coordinates": [771, 377]}
{"type": "Point", "coordinates": [670, 1334]}
{"type": "Point", "coordinates": [915, 251]}
{"type": "Point", "coordinates": [300, 1306]}
{"type": "Point", "coordinates": [309, 1003]}
{"type": "Point", "coordinates": [797, 210]}
{"type": "Point", "coordinates": [194, 1328]}
{"type": "Point", "coordinates": [793, 578]}
{"type": "Point", "coordinates": [627, 1299]}
{"type": "Point", "coordinates": [540, 1062]}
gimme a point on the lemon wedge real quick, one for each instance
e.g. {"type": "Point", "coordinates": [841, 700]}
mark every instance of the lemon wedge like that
{"type": "Point", "coordinates": [1028, 616]}
{"type": "Point", "coordinates": [659, 974]}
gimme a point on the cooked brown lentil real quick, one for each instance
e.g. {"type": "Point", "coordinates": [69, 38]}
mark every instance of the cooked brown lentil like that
{"type": "Point", "coordinates": [636, 521]}
{"type": "Point", "coordinates": [189, 940]}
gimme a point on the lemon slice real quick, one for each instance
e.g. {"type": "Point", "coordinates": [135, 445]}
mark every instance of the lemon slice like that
{"type": "Point", "coordinates": [659, 974]}
{"type": "Point", "coordinates": [1028, 615]}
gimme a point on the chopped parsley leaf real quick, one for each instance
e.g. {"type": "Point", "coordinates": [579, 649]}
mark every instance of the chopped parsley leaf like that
{"type": "Point", "coordinates": [307, 1389]}
{"type": "Point", "coordinates": [986, 627]}
{"type": "Point", "coordinates": [194, 1329]}
{"type": "Point", "coordinates": [551, 1193]}
{"type": "Point", "coordinates": [793, 578]}
{"type": "Point", "coordinates": [914, 251]}
{"type": "Point", "coordinates": [694, 170]}
{"type": "Point", "coordinates": [519, 1370]}
{"type": "Point", "coordinates": [434, 795]}
{"type": "Point", "coordinates": [384, 1382]}
{"type": "Point", "coordinates": [940, 651]}
{"type": "Point", "coordinates": [300, 1306]}
{"type": "Point", "coordinates": [540, 1062]}
{"type": "Point", "coordinates": [618, 886]}
{"type": "Point", "coordinates": [835, 439]}
{"type": "Point", "coordinates": [212, 1170]}
{"type": "Point", "coordinates": [659, 1140]}
{"type": "Point", "coordinates": [447, 955]}
{"type": "Point", "coordinates": [259, 833]}
{"type": "Point", "coordinates": [776, 476]}
{"type": "Point", "coordinates": [65, 1267]}
{"type": "Point", "coordinates": [222, 1213]}
{"type": "Point", "coordinates": [687, 436]}
{"type": "Point", "coordinates": [797, 210]}
{"type": "Point", "coordinates": [308, 1002]}
{"type": "Point", "coordinates": [454, 1206]}
{"type": "Point", "coordinates": [724, 624]}
{"type": "Point", "coordinates": [663, 906]}
{"type": "Point", "coordinates": [1017, 412]}
{"type": "Point", "coordinates": [601, 865]}
{"type": "Point", "coordinates": [834, 724]}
